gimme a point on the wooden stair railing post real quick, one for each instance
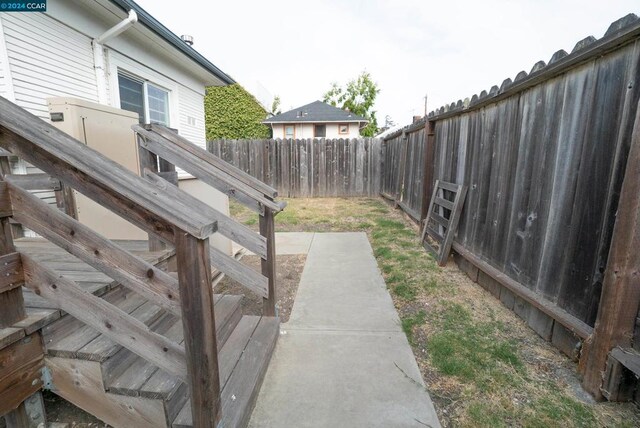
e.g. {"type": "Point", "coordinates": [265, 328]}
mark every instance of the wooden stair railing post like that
{"type": "Point", "coordinates": [66, 200]}
{"type": "Point", "coordinates": [149, 161]}
{"type": "Point", "coordinates": [196, 292]}
{"type": "Point", "coordinates": [267, 229]}
{"type": "Point", "coordinates": [12, 307]}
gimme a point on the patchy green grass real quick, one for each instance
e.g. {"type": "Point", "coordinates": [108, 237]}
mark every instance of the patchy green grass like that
{"type": "Point", "coordinates": [408, 324]}
{"type": "Point", "coordinates": [482, 365]}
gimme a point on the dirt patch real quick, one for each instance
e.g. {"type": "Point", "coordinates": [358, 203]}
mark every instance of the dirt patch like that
{"type": "Point", "coordinates": [288, 272]}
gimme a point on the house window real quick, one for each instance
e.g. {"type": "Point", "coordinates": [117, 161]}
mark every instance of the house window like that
{"type": "Point", "coordinates": [343, 128]}
{"type": "Point", "coordinates": [289, 131]}
{"type": "Point", "coordinates": [148, 100]}
{"type": "Point", "coordinates": [319, 131]}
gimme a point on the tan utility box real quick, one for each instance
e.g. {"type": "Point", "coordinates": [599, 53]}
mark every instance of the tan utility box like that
{"type": "Point", "coordinates": [108, 131]}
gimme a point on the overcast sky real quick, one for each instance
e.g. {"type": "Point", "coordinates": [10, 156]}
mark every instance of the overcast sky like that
{"type": "Point", "coordinates": [449, 50]}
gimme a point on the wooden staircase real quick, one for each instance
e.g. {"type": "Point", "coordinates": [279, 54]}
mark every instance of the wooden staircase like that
{"type": "Point", "coordinates": [158, 348]}
{"type": "Point", "coordinates": [124, 389]}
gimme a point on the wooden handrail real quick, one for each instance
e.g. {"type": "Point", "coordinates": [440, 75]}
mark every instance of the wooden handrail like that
{"type": "Point", "coordinates": [227, 226]}
{"type": "Point", "coordinates": [71, 235]}
{"type": "Point", "coordinates": [205, 171]}
{"type": "Point", "coordinates": [213, 160]}
{"type": "Point", "coordinates": [109, 320]}
{"type": "Point", "coordinates": [96, 176]}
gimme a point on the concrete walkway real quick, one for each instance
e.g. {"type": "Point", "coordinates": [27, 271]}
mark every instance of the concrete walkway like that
{"type": "Point", "coordinates": [342, 360]}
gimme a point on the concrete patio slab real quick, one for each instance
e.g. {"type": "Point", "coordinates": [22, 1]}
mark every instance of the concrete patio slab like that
{"type": "Point", "coordinates": [342, 360]}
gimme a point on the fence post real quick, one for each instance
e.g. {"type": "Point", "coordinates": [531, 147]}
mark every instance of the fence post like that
{"type": "Point", "coordinates": [429, 155]}
{"type": "Point", "coordinates": [267, 229]}
{"type": "Point", "coordinates": [620, 297]}
{"type": "Point", "coordinates": [403, 162]}
{"type": "Point", "coordinates": [196, 295]}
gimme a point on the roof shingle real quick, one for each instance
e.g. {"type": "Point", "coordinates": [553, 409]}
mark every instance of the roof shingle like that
{"type": "Point", "coordinates": [316, 111]}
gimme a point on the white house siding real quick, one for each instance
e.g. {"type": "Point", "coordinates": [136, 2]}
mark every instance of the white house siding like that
{"type": "Point", "coordinates": [47, 59]}
{"type": "Point", "coordinates": [192, 123]}
{"type": "Point", "coordinates": [50, 55]}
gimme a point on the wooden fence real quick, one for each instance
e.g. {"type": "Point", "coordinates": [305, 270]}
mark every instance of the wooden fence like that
{"type": "Point", "coordinates": [308, 168]}
{"type": "Point", "coordinates": [544, 158]}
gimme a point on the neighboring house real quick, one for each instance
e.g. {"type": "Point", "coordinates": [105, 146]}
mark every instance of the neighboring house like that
{"type": "Point", "coordinates": [110, 52]}
{"type": "Point", "coordinates": [316, 120]}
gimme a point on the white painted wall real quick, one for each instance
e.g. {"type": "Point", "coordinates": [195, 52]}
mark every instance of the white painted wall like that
{"type": "Point", "coordinates": [305, 130]}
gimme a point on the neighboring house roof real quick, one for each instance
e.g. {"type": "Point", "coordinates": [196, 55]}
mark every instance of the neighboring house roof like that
{"type": "Point", "coordinates": [163, 32]}
{"type": "Point", "coordinates": [316, 112]}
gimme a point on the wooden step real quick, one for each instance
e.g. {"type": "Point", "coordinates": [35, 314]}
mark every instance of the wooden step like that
{"type": "Point", "coordinates": [128, 374]}
{"type": "Point", "coordinates": [243, 362]}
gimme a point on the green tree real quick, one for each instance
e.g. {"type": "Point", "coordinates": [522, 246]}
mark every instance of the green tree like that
{"type": "Point", "coordinates": [358, 96]}
{"type": "Point", "coordinates": [275, 105]}
{"type": "Point", "coordinates": [232, 112]}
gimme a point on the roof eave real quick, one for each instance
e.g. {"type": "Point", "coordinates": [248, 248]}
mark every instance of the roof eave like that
{"type": "Point", "coordinates": [163, 32]}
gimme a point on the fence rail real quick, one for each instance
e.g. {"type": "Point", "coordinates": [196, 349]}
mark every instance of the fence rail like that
{"type": "Point", "coordinates": [307, 168]}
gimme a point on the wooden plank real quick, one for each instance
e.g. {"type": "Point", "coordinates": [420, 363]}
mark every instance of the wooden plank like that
{"type": "Point", "coordinates": [575, 325]}
{"type": "Point", "coordinates": [93, 174]}
{"type": "Point", "coordinates": [12, 307]}
{"type": "Point", "coordinates": [202, 170]}
{"type": "Point", "coordinates": [246, 276]}
{"type": "Point", "coordinates": [35, 181]}
{"type": "Point", "coordinates": [440, 220]}
{"type": "Point", "coordinates": [148, 160]}
{"type": "Point", "coordinates": [227, 226]}
{"type": "Point", "coordinates": [241, 390]}
{"type": "Point", "coordinates": [198, 320]}
{"type": "Point", "coordinates": [80, 383]}
{"type": "Point", "coordinates": [213, 160]}
{"type": "Point", "coordinates": [10, 272]}
{"type": "Point", "coordinates": [105, 318]}
{"type": "Point", "coordinates": [449, 186]}
{"type": "Point", "coordinates": [5, 202]}
{"type": "Point", "coordinates": [99, 252]}
{"type": "Point", "coordinates": [629, 358]}
{"type": "Point", "coordinates": [66, 200]}
{"type": "Point", "coordinates": [9, 335]}
{"type": "Point", "coordinates": [429, 154]}
{"type": "Point", "coordinates": [620, 298]}
{"type": "Point", "coordinates": [268, 264]}
{"type": "Point", "coordinates": [36, 319]}
{"type": "Point", "coordinates": [458, 203]}
{"type": "Point", "coordinates": [435, 235]}
{"type": "Point", "coordinates": [430, 212]}
{"type": "Point", "coordinates": [20, 384]}
{"type": "Point", "coordinates": [444, 203]}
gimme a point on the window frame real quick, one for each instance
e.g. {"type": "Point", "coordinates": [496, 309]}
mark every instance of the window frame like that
{"type": "Point", "coordinates": [315, 132]}
{"type": "Point", "coordinates": [145, 95]}
{"type": "Point", "coordinates": [284, 131]}
{"type": "Point", "coordinates": [340, 125]}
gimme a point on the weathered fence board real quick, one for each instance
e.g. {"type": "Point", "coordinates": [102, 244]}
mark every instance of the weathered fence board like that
{"type": "Point", "coordinates": [308, 168]}
{"type": "Point", "coordinates": [543, 175]}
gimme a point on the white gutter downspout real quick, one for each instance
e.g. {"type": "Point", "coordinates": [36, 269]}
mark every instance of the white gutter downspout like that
{"type": "Point", "coordinates": [98, 53]}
